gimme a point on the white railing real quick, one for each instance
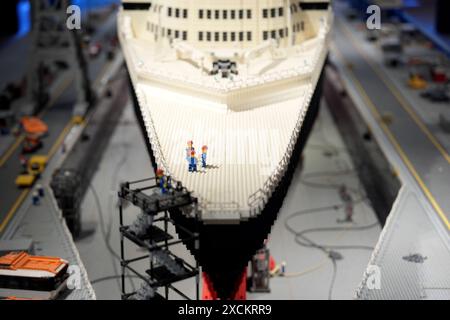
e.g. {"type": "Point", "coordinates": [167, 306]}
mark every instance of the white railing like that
{"type": "Point", "coordinates": [258, 200]}
{"type": "Point", "coordinates": [157, 150]}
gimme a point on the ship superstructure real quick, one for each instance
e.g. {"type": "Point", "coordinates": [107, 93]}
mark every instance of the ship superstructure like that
{"type": "Point", "coordinates": [243, 78]}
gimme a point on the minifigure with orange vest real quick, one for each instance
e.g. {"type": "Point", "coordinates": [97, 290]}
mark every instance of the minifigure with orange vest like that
{"type": "Point", "coordinates": [203, 156]}
{"type": "Point", "coordinates": [193, 162]}
{"type": "Point", "coordinates": [189, 149]}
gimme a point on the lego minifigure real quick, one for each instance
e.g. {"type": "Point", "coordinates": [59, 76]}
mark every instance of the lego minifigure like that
{"type": "Point", "coordinates": [203, 157]}
{"type": "Point", "coordinates": [160, 178]}
{"type": "Point", "coordinates": [189, 149]}
{"type": "Point", "coordinates": [283, 268]}
{"type": "Point", "coordinates": [193, 162]}
{"type": "Point", "coordinates": [23, 162]}
{"type": "Point", "coordinates": [35, 198]}
{"type": "Point", "coordinates": [40, 189]}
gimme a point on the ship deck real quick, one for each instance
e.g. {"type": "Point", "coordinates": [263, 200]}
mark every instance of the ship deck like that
{"type": "Point", "coordinates": [245, 148]}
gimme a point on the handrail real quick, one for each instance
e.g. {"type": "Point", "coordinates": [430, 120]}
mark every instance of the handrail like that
{"type": "Point", "coordinates": [262, 195]}
{"type": "Point", "coordinates": [154, 137]}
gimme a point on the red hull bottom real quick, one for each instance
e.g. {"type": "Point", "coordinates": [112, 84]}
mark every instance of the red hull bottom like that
{"type": "Point", "coordinates": [208, 292]}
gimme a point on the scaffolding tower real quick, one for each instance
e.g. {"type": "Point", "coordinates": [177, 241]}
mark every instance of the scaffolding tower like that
{"type": "Point", "coordinates": [166, 268]}
{"type": "Point", "coordinates": [54, 47]}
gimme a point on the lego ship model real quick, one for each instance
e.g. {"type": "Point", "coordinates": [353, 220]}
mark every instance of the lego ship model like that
{"type": "Point", "coordinates": [243, 78]}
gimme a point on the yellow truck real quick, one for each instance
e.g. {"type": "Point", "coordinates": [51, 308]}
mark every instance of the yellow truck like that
{"type": "Point", "coordinates": [35, 167]}
{"type": "Point", "coordinates": [416, 82]}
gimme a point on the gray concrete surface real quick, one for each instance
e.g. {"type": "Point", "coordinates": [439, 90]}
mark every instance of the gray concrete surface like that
{"type": "Point", "coordinates": [430, 165]}
{"type": "Point", "coordinates": [57, 116]}
{"type": "Point", "coordinates": [44, 226]}
{"type": "Point", "coordinates": [413, 229]}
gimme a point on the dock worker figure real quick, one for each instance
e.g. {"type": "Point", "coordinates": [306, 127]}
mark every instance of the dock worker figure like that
{"type": "Point", "coordinates": [203, 157]}
{"type": "Point", "coordinates": [193, 162]}
{"type": "Point", "coordinates": [23, 163]}
{"type": "Point", "coordinates": [35, 198]}
{"type": "Point", "coordinates": [160, 179]}
{"type": "Point", "coordinates": [189, 149]}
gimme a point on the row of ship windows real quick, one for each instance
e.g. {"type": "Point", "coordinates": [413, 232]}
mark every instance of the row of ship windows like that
{"type": "Point", "coordinates": [232, 36]}
{"type": "Point", "coordinates": [241, 36]}
{"type": "Point", "coordinates": [299, 26]}
{"type": "Point", "coordinates": [275, 34]}
{"type": "Point", "coordinates": [225, 14]}
{"type": "Point", "coordinates": [177, 34]}
{"type": "Point", "coordinates": [208, 14]}
{"type": "Point", "coordinates": [224, 36]}
{"type": "Point", "coordinates": [177, 13]}
{"type": "Point", "coordinates": [274, 12]}
{"type": "Point", "coordinates": [247, 13]}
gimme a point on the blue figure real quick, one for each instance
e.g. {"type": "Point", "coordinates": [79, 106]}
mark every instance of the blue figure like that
{"type": "Point", "coordinates": [35, 198]}
{"type": "Point", "coordinates": [163, 185]}
{"type": "Point", "coordinates": [40, 190]}
{"type": "Point", "coordinates": [204, 151]}
{"type": "Point", "coordinates": [193, 162]}
{"type": "Point", "coordinates": [189, 149]}
{"type": "Point", "coordinates": [161, 180]}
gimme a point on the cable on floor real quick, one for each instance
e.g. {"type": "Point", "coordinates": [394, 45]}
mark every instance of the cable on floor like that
{"type": "Point", "coordinates": [114, 184]}
{"type": "Point", "coordinates": [103, 231]}
{"type": "Point", "coordinates": [329, 250]}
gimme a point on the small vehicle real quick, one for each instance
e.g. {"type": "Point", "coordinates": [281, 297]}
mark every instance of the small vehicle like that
{"type": "Point", "coordinates": [34, 129]}
{"type": "Point", "coordinates": [31, 144]}
{"type": "Point", "coordinates": [35, 167]}
{"type": "Point", "coordinates": [416, 82]}
{"type": "Point", "coordinates": [23, 276]}
{"type": "Point", "coordinates": [34, 126]}
{"type": "Point", "coordinates": [408, 32]}
{"type": "Point", "coordinates": [439, 75]}
{"type": "Point", "coordinates": [436, 95]}
{"type": "Point", "coordinates": [392, 51]}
